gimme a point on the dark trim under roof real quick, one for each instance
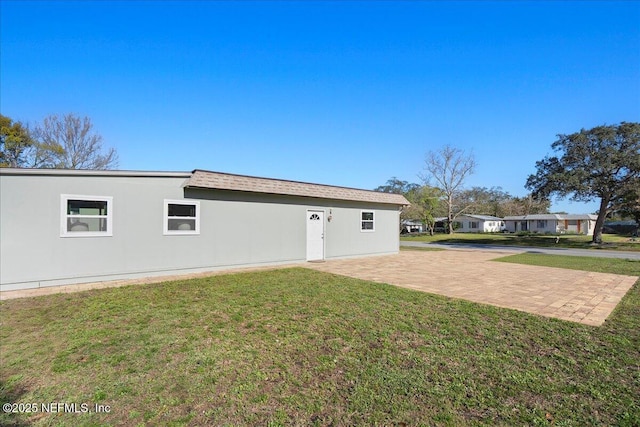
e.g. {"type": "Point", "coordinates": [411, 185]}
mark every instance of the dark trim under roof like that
{"type": "Point", "coordinates": [84, 172]}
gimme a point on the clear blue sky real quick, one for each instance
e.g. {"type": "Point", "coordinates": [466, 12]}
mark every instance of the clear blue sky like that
{"type": "Point", "coordinates": [343, 93]}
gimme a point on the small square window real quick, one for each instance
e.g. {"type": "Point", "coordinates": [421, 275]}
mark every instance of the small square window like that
{"type": "Point", "coordinates": [86, 216]}
{"type": "Point", "coordinates": [367, 222]}
{"type": "Point", "coordinates": [181, 217]}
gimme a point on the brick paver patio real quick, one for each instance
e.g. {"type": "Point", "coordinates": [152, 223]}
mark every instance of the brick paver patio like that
{"type": "Point", "coordinates": [578, 296]}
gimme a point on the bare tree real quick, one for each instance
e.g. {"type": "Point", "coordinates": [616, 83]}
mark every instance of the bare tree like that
{"type": "Point", "coordinates": [449, 167]}
{"type": "Point", "coordinates": [69, 142]}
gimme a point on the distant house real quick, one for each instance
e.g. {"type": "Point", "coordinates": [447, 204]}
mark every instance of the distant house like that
{"type": "Point", "coordinates": [478, 224]}
{"type": "Point", "coordinates": [412, 226]}
{"type": "Point", "coordinates": [552, 223]}
{"type": "Point", "coordinates": [60, 227]}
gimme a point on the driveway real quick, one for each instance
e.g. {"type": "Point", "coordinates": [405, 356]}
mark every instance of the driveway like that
{"type": "Point", "coordinates": [578, 296]}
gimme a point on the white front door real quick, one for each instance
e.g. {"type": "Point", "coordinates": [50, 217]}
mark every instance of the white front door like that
{"type": "Point", "coordinates": [315, 235]}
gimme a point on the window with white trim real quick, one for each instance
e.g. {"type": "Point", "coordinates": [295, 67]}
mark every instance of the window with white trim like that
{"type": "Point", "coordinates": [542, 223]}
{"type": "Point", "coordinates": [474, 224]}
{"type": "Point", "coordinates": [181, 217]}
{"type": "Point", "coordinates": [86, 216]}
{"type": "Point", "coordinates": [367, 221]}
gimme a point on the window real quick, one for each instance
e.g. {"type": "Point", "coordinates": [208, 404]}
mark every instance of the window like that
{"type": "Point", "coordinates": [367, 222]}
{"type": "Point", "coordinates": [473, 224]}
{"type": "Point", "coordinates": [181, 217]}
{"type": "Point", "coordinates": [542, 223]}
{"type": "Point", "coordinates": [86, 216]}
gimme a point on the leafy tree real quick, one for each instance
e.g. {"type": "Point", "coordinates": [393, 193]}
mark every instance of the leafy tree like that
{"type": "Point", "coordinates": [486, 201]}
{"type": "Point", "coordinates": [425, 205]}
{"type": "Point", "coordinates": [524, 206]}
{"type": "Point", "coordinates": [69, 142]}
{"type": "Point", "coordinates": [449, 167]}
{"type": "Point", "coordinates": [44, 154]}
{"type": "Point", "coordinates": [600, 163]}
{"type": "Point", "coordinates": [496, 202]}
{"type": "Point", "coordinates": [396, 186]}
{"type": "Point", "coordinates": [15, 143]}
{"type": "Point", "coordinates": [629, 204]}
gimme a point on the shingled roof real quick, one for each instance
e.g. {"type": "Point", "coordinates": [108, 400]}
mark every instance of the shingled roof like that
{"type": "Point", "coordinates": [225, 181]}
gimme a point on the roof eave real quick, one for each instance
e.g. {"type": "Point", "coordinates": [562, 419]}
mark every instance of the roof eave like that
{"type": "Point", "coordinates": [91, 172]}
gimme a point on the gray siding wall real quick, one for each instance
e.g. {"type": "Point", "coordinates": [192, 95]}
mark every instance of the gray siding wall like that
{"type": "Point", "coordinates": [236, 229]}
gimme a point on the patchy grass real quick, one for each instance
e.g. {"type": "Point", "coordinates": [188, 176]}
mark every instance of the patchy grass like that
{"type": "Point", "coordinates": [602, 265]}
{"type": "Point", "coordinates": [610, 241]}
{"type": "Point", "coordinates": [300, 347]}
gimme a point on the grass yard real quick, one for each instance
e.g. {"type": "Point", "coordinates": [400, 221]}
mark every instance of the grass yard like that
{"type": "Point", "coordinates": [420, 248]}
{"type": "Point", "coordinates": [627, 267]}
{"type": "Point", "coordinates": [610, 241]}
{"type": "Point", "coordinates": [300, 347]}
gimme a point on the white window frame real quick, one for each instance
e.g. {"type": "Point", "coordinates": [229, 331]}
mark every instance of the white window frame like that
{"type": "Point", "coordinates": [373, 221]}
{"type": "Point", "coordinates": [165, 218]}
{"type": "Point", "coordinates": [64, 216]}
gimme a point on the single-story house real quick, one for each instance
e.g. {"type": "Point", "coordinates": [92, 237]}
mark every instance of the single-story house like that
{"type": "Point", "coordinates": [478, 224]}
{"type": "Point", "coordinates": [60, 227]}
{"type": "Point", "coordinates": [552, 223]}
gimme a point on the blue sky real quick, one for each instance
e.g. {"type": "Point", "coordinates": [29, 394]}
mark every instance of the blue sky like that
{"type": "Point", "coordinates": [342, 93]}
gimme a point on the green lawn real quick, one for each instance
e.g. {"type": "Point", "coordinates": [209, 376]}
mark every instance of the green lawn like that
{"type": "Point", "coordinates": [300, 347]}
{"type": "Point", "coordinates": [610, 241]}
{"type": "Point", "coordinates": [420, 248]}
{"type": "Point", "coordinates": [602, 265]}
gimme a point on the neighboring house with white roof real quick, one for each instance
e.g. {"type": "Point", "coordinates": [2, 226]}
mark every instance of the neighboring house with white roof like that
{"type": "Point", "coordinates": [552, 223]}
{"type": "Point", "coordinates": [60, 227]}
{"type": "Point", "coordinates": [478, 224]}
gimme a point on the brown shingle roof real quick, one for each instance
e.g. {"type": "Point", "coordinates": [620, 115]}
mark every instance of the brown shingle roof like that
{"type": "Point", "coordinates": [225, 181]}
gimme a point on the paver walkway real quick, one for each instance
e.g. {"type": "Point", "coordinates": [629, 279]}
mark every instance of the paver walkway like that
{"type": "Point", "coordinates": [579, 296]}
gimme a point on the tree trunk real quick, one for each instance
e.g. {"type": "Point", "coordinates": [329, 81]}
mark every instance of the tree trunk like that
{"type": "Point", "coordinates": [450, 214]}
{"type": "Point", "coordinates": [602, 214]}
